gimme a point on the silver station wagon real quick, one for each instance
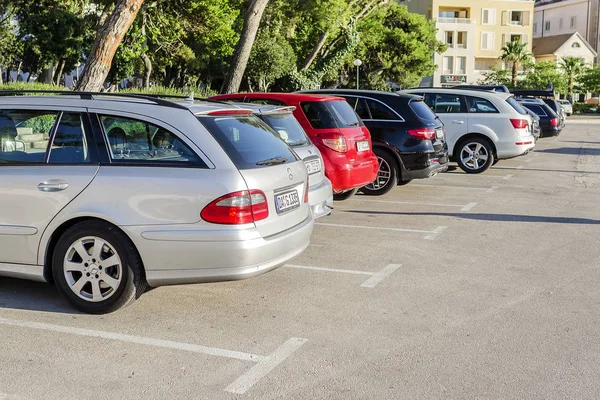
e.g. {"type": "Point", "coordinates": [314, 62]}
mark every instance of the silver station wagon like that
{"type": "Point", "coordinates": [105, 195]}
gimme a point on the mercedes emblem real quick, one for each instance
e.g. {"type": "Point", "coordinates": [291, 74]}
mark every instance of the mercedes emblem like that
{"type": "Point", "coordinates": [290, 174]}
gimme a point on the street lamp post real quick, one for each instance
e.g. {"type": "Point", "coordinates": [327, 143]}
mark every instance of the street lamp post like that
{"type": "Point", "coordinates": [357, 64]}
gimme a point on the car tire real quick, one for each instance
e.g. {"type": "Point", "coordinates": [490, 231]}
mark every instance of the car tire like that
{"type": "Point", "coordinates": [387, 175]}
{"type": "Point", "coordinates": [97, 281]}
{"type": "Point", "coordinates": [475, 155]}
{"type": "Point", "coordinates": [344, 195]}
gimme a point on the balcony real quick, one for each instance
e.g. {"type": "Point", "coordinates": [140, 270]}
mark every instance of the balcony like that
{"type": "Point", "coordinates": [469, 21]}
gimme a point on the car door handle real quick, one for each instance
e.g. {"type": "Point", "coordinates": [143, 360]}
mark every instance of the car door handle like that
{"type": "Point", "coordinates": [53, 185]}
{"type": "Point", "coordinates": [458, 121]}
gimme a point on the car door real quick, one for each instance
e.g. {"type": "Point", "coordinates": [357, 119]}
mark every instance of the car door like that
{"type": "Point", "coordinates": [52, 162]}
{"type": "Point", "coordinates": [452, 110]}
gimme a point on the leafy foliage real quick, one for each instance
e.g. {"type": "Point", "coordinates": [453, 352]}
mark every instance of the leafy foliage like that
{"type": "Point", "coordinates": [516, 54]}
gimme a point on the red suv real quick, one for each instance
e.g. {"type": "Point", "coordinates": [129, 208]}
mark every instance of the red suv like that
{"type": "Point", "coordinates": [336, 130]}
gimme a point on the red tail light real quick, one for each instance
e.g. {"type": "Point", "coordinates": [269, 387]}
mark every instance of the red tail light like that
{"type": "Point", "coordinates": [554, 122]}
{"type": "Point", "coordinates": [237, 208]}
{"type": "Point", "coordinates": [306, 191]}
{"type": "Point", "coordinates": [422, 133]}
{"type": "Point", "coordinates": [335, 142]}
{"type": "Point", "coordinates": [519, 123]}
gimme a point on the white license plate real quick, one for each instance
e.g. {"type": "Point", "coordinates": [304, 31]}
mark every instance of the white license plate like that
{"type": "Point", "coordinates": [439, 133]}
{"type": "Point", "coordinates": [287, 201]}
{"type": "Point", "coordinates": [313, 166]}
{"type": "Point", "coordinates": [363, 145]}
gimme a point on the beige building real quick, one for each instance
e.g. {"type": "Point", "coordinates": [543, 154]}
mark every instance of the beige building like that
{"type": "Point", "coordinates": [475, 32]}
{"type": "Point", "coordinates": [555, 48]}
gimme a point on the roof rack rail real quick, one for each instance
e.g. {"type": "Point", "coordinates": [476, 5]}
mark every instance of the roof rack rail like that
{"type": "Point", "coordinates": [157, 99]}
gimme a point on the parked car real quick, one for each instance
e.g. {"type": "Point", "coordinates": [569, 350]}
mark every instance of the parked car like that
{"type": "Point", "coordinates": [566, 106]}
{"type": "Point", "coordinates": [114, 193]}
{"type": "Point", "coordinates": [490, 88]}
{"type": "Point", "coordinates": [548, 97]}
{"type": "Point", "coordinates": [407, 137]}
{"type": "Point", "coordinates": [549, 120]}
{"type": "Point", "coordinates": [283, 122]}
{"type": "Point", "coordinates": [535, 119]}
{"type": "Point", "coordinates": [481, 127]}
{"type": "Point", "coordinates": [336, 130]}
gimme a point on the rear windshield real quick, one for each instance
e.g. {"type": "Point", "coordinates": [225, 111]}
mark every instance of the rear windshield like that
{"type": "Point", "coordinates": [422, 110]}
{"type": "Point", "coordinates": [330, 114]}
{"type": "Point", "coordinates": [248, 141]}
{"type": "Point", "coordinates": [287, 127]}
{"type": "Point", "coordinates": [515, 104]}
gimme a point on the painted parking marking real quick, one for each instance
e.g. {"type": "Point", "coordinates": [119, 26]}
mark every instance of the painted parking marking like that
{"type": "Point", "coordinates": [374, 277]}
{"type": "Point", "coordinates": [435, 232]}
{"type": "Point", "coordinates": [463, 207]}
{"type": "Point", "coordinates": [428, 233]}
{"type": "Point", "coordinates": [251, 377]}
{"type": "Point", "coordinates": [507, 177]}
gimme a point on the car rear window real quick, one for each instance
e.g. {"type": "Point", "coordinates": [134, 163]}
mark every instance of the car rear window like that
{"type": "Point", "coordinates": [422, 110]}
{"type": "Point", "coordinates": [330, 114]}
{"type": "Point", "coordinates": [536, 109]}
{"type": "Point", "coordinates": [515, 104]}
{"type": "Point", "coordinates": [287, 127]}
{"type": "Point", "coordinates": [248, 141]}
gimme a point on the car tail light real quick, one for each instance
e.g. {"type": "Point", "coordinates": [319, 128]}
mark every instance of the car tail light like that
{"type": "Point", "coordinates": [519, 123]}
{"type": "Point", "coordinates": [422, 133]}
{"type": "Point", "coordinates": [336, 142]}
{"type": "Point", "coordinates": [306, 191]}
{"type": "Point", "coordinates": [554, 122]}
{"type": "Point", "coordinates": [237, 208]}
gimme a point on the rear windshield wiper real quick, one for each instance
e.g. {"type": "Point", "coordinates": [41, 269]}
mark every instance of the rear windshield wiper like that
{"type": "Point", "coordinates": [295, 144]}
{"type": "Point", "coordinates": [273, 161]}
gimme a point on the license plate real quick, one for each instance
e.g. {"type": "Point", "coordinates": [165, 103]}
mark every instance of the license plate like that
{"type": "Point", "coordinates": [363, 145]}
{"type": "Point", "coordinates": [439, 133]}
{"type": "Point", "coordinates": [313, 166]}
{"type": "Point", "coordinates": [287, 201]}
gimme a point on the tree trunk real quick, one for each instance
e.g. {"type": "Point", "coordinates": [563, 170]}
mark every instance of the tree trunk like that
{"type": "Point", "coordinates": [318, 46]}
{"type": "Point", "coordinates": [144, 56]}
{"type": "Point", "coordinates": [514, 75]}
{"type": "Point", "coordinates": [1, 78]}
{"type": "Point", "coordinates": [59, 74]}
{"type": "Point", "coordinates": [108, 39]}
{"type": "Point", "coordinates": [244, 46]}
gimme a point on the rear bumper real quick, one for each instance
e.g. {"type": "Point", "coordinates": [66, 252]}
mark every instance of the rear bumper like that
{"type": "Point", "coordinates": [551, 131]}
{"type": "Point", "coordinates": [427, 168]}
{"type": "Point", "coordinates": [320, 198]}
{"type": "Point", "coordinates": [186, 256]}
{"type": "Point", "coordinates": [510, 149]}
{"type": "Point", "coordinates": [352, 175]}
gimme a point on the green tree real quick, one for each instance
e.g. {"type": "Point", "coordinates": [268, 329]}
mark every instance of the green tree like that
{"type": "Point", "coordinates": [281, 59]}
{"type": "Point", "coordinates": [572, 68]}
{"type": "Point", "coordinates": [538, 76]}
{"type": "Point", "coordinates": [589, 80]}
{"type": "Point", "coordinates": [516, 54]}
{"type": "Point", "coordinates": [496, 76]}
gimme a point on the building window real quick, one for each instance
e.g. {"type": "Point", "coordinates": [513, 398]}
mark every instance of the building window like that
{"type": "Point", "coordinates": [516, 18]}
{"type": "Point", "coordinates": [450, 38]}
{"type": "Point", "coordinates": [487, 40]}
{"type": "Point", "coordinates": [575, 45]}
{"type": "Point", "coordinates": [488, 16]}
{"type": "Point", "coordinates": [461, 65]}
{"type": "Point", "coordinates": [535, 27]}
{"type": "Point", "coordinates": [461, 40]}
{"type": "Point", "coordinates": [547, 26]}
{"type": "Point", "coordinates": [560, 24]}
{"type": "Point", "coordinates": [573, 22]}
{"type": "Point", "coordinates": [448, 65]}
{"type": "Point", "coordinates": [516, 38]}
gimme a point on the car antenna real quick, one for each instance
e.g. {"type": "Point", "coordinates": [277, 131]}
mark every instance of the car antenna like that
{"type": "Point", "coordinates": [190, 98]}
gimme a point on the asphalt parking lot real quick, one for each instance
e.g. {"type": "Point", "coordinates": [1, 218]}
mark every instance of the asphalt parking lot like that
{"type": "Point", "coordinates": [479, 286]}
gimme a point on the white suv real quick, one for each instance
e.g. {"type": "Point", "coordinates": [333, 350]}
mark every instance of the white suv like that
{"type": "Point", "coordinates": [481, 127]}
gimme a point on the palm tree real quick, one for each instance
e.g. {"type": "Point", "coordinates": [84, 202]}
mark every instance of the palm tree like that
{"type": "Point", "coordinates": [516, 53]}
{"type": "Point", "coordinates": [572, 67]}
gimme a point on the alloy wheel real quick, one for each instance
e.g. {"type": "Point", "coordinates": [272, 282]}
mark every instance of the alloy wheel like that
{"type": "Point", "coordinates": [474, 155]}
{"type": "Point", "coordinates": [384, 174]}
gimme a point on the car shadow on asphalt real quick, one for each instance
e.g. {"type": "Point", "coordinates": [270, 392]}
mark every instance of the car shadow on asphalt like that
{"type": "Point", "coordinates": [18, 294]}
{"type": "Point", "coordinates": [489, 217]}
{"type": "Point", "coordinates": [572, 151]}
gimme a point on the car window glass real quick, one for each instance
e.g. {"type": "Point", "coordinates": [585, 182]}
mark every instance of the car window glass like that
{"type": "Point", "coordinates": [25, 134]}
{"type": "Point", "coordinates": [318, 115]}
{"type": "Point", "coordinates": [359, 106]}
{"type": "Point", "coordinates": [381, 111]}
{"type": "Point", "coordinates": [422, 110]}
{"type": "Point", "coordinates": [480, 105]}
{"type": "Point", "coordinates": [272, 102]}
{"type": "Point", "coordinates": [69, 144]}
{"type": "Point", "coordinates": [343, 114]}
{"type": "Point", "coordinates": [445, 103]}
{"type": "Point", "coordinates": [536, 109]}
{"type": "Point", "coordinates": [248, 141]}
{"type": "Point", "coordinates": [132, 140]}
{"type": "Point", "coordinates": [287, 127]}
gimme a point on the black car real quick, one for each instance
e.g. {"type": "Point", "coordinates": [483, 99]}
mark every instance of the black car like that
{"type": "Point", "coordinates": [407, 136]}
{"type": "Point", "coordinates": [549, 120]}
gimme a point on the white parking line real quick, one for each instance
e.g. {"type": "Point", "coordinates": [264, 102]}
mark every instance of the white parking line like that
{"type": "Point", "coordinates": [375, 277]}
{"type": "Point", "coordinates": [379, 228]}
{"type": "Point", "coordinates": [260, 370]}
{"type": "Point", "coordinates": [435, 232]}
{"type": "Point", "coordinates": [469, 207]}
{"type": "Point", "coordinates": [507, 177]}
{"type": "Point", "coordinates": [418, 203]}
{"type": "Point", "coordinates": [242, 384]}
